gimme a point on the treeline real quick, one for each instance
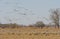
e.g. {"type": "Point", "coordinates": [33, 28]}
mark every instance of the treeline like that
{"type": "Point", "coordinates": [38, 24]}
{"type": "Point", "coordinates": [9, 26]}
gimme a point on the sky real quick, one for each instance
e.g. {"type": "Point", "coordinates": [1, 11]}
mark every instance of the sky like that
{"type": "Point", "coordinates": [26, 11]}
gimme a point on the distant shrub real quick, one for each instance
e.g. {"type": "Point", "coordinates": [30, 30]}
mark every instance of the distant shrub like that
{"type": "Point", "coordinates": [40, 24]}
{"type": "Point", "coordinates": [36, 33]}
{"type": "Point", "coordinates": [30, 34]}
{"type": "Point", "coordinates": [13, 33]}
{"type": "Point", "coordinates": [31, 26]}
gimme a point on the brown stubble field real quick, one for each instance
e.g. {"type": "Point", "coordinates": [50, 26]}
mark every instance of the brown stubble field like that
{"type": "Point", "coordinates": [30, 33]}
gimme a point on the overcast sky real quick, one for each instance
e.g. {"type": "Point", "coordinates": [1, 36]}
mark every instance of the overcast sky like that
{"type": "Point", "coordinates": [26, 11]}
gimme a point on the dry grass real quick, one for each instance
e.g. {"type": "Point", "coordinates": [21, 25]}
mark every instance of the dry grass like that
{"type": "Point", "coordinates": [29, 33]}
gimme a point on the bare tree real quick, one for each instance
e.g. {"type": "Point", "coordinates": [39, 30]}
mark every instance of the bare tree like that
{"type": "Point", "coordinates": [55, 14]}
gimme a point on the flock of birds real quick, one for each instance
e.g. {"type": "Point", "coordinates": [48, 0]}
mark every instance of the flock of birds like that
{"type": "Point", "coordinates": [25, 11]}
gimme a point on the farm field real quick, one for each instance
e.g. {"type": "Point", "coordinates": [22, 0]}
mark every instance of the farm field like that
{"type": "Point", "coordinates": [30, 33]}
